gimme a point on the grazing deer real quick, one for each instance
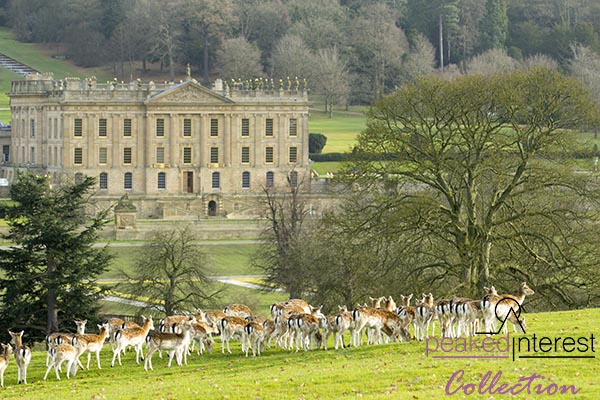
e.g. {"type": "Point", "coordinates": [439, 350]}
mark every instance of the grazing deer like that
{"type": "Point", "coordinates": [131, 337]}
{"type": "Point", "coordinates": [202, 334]}
{"type": "Point", "coordinates": [60, 354]}
{"type": "Point", "coordinates": [253, 337]}
{"type": "Point", "coordinates": [231, 327]}
{"type": "Point", "coordinates": [238, 310]}
{"type": "Point", "coordinates": [307, 326]}
{"type": "Point", "coordinates": [175, 343]}
{"type": "Point", "coordinates": [91, 343]}
{"type": "Point", "coordinates": [22, 356]}
{"type": "Point", "coordinates": [392, 325]}
{"type": "Point", "coordinates": [269, 328]}
{"type": "Point", "coordinates": [500, 306]}
{"type": "Point", "coordinates": [4, 359]}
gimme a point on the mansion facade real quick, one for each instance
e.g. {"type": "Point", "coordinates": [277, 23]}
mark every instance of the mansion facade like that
{"type": "Point", "coordinates": [175, 149]}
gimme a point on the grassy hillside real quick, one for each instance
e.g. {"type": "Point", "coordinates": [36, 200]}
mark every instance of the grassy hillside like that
{"type": "Point", "coordinates": [40, 58]}
{"type": "Point", "coordinates": [396, 370]}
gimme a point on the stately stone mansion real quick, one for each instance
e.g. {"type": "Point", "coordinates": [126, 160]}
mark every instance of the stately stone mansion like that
{"type": "Point", "coordinates": [173, 148]}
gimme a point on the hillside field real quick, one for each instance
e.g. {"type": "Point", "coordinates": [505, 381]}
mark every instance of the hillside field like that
{"type": "Point", "coordinates": [395, 371]}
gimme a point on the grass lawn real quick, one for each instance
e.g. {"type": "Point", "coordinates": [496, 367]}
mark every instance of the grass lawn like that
{"type": "Point", "coordinates": [6, 77]}
{"type": "Point", "coordinates": [341, 130]}
{"type": "Point", "coordinates": [323, 167]}
{"type": "Point", "coordinates": [227, 259]}
{"type": "Point", "coordinates": [395, 371]}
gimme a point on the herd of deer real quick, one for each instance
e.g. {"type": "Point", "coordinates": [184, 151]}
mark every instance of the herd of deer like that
{"type": "Point", "coordinates": [294, 324]}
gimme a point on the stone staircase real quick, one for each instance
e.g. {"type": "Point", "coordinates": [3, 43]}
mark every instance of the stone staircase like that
{"type": "Point", "coordinates": [15, 66]}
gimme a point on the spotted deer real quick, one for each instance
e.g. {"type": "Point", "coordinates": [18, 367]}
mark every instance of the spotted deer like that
{"type": "Point", "coordinates": [231, 327]}
{"type": "Point", "coordinates": [60, 354]}
{"type": "Point", "coordinates": [269, 328]}
{"type": "Point", "coordinates": [202, 335]}
{"type": "Point", "coordinates": [500, 306]}
{"type": "Point", "coordinates": [308, 332]}
{"type": "Point", "coordinates": [22, 356]}
{"type": "Point", "coordinates": [57, 338]}
{"type": "Point", "coordinates": [173, 322]}
{"type": "Point", "coordinates": [175, 343]}
{"type": "Point", "coordinates": [212, 317]}
{"type": "Point", "coordinates": [423, 316]}
{"type": "Point", "coordinates": [238, 310]}
{"type": "Point", "coordinates": [4, 359]}
{"type": "Point", "coordinates": [289, 307]}
{"type": "Point", "coordinates": [341, 323]}
{"type": "Point", "coordinates": [91, 343]}
{"type": "Point", "coordinates": [131, 337]}
{"type": "Point", "coordinates": [253, 337]}
{"type": "Point", "coordinates": [116, 324]}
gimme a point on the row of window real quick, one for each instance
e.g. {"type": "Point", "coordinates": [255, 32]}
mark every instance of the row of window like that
{"type": "Point", "coordinates": [215, 180]}
{"type": "Point", "coordinates": [187, 155]}
{"type": "Point", "coordinates": [187, 127]}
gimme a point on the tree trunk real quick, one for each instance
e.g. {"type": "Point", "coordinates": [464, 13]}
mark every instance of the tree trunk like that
{"type": "Point", "coordinates": [51, 300]}
{"type": "Point", "coordinates": [171, 67]}
{"type": "Point", "coordinates": [441, 39]}
{"type": "Point", "coordinates": [205, 59]}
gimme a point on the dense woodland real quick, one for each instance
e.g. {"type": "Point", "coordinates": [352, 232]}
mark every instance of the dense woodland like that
{"type": "Point", "coordinates": [349, 50]}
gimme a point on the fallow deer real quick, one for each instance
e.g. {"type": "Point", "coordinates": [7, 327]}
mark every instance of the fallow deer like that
{"type": "Point", "coordinates": [131, 337]}
{"type": "Point", "coordinates": [4, 359]}
{"type": "Point", "coordinates": [253, 337]}
{"type": "Point", "coordinates": [231, 327]}
{"type": "Point", "coordinates": [500, 306]}
{"type": "Point", "coordinates": [91, 343]}
{"type": "Point", "coordinates": [175, 343]}
{"type": "Point", "coordinates": [22, 356]}
{"type": "Point", "coordinates": [60, 354]}
{"type": "Point", "coordinates": [57, 338]}
{"type": "Point", "coordinates": [238, 310]}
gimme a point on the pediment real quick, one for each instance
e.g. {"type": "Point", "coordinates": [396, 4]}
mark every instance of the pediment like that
{"type": "Point", "coordinates": [188, 93]}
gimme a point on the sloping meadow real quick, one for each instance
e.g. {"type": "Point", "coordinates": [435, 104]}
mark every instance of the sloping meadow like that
{"type": "Point", "coordinates": [459, 368]}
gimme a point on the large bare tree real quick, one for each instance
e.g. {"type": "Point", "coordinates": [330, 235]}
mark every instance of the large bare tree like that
{"type": "Point", "coordinates": [280, 252]}
{"type": "Point", "coordinates": [170, 273]}
{"type": "Point", "coordinates": [478, 175]}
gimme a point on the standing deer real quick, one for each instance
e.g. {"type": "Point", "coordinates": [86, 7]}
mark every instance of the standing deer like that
{"type": "Point", "coordinates": [132, 337]}
{"type": "Point", "coordinates": [22, 356]}
{"type": "Point", "coordinates": [4, 359]}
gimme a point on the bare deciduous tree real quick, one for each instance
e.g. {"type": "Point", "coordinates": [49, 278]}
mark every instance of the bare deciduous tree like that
{"type": "Point", "coordinates": [238, 59]}
{"type": "Point", "coordinates": [170, 273]}
{"type": "Point", "coordinates": [278, 255]}
{"type": "Point", "coordinates": [477, 176]}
